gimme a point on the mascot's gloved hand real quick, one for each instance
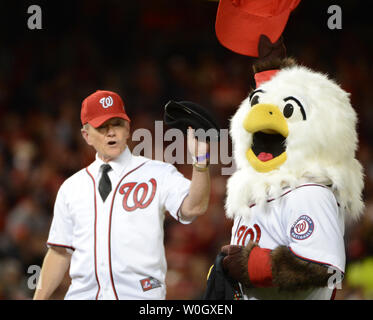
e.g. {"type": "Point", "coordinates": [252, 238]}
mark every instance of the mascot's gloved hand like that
{"type": "Point", "coordinates": [250, 265]}
{"type": "Point", "coordinates": [259, 267]}
{"type": "Point", "coordinates": [236, 261]}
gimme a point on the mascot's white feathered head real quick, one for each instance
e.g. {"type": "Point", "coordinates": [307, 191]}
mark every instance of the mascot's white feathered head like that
{"type": "Point", "coordinates": [297, 127]}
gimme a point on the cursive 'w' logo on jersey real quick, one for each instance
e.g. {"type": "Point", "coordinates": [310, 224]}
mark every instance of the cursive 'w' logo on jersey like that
{"type": "Point", "coordinates": [243, 232]}
{"type": "Point", "coordinates": [138, 195]}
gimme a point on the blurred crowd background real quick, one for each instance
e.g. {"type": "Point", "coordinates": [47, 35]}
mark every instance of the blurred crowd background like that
{"type": "Point", "coordinates": [150, 51]}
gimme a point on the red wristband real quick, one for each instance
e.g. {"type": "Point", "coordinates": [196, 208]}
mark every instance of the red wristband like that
{"type": "Point", "coordinates": [259, 267]}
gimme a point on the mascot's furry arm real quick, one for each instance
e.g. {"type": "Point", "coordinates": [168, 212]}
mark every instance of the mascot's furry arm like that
{"type": "Point", "coordinates": [257, 267]}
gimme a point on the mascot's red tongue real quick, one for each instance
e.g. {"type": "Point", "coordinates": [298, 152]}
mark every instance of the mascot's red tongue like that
{"type": "Point", "coordinates": [263, 156]}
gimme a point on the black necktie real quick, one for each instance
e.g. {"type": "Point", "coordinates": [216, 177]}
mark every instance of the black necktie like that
{"type": "Point", "coordinates": [104, 187]}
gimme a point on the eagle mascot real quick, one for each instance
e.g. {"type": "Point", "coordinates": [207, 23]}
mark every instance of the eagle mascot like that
{"type": "Point", "coordinates": [297, 181]}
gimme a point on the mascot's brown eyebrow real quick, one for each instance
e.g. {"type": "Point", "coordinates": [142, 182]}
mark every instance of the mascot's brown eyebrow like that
{"type": "Point", "coordinates": [299, 104]}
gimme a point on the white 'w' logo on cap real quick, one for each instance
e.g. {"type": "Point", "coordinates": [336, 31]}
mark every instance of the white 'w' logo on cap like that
{"type": "Point", "coordinates": [106, 102]}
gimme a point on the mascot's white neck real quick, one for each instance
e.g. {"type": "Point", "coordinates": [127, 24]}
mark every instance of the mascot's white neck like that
{"type": "Point", "coordinates": [247, 187]}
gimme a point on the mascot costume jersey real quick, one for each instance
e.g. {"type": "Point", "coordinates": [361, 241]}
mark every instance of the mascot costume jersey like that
{"type": "Point", "coordinates": [297, 179]}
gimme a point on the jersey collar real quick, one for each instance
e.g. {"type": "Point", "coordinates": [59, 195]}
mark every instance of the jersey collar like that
{"type": "Point", "coordinates": [119, 165]}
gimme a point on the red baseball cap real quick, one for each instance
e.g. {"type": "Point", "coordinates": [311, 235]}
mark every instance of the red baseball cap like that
{"type": "Point", "coordinates": [101, 106]}
{"type": "Point", "coordinates": [239, 23]}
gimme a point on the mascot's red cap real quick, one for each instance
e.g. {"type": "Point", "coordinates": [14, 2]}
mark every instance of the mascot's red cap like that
{"type": "Point", "coordinates": [264, 76]}
{"type": "Point", "coordinates": [239, 23]}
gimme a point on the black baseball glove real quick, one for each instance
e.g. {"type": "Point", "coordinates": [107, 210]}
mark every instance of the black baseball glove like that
{"type": "Point", "coordinates": [184, 114]}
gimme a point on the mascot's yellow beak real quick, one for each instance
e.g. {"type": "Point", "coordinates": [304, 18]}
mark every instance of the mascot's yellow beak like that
{"type": "Point", "coordinates": [269, 129]}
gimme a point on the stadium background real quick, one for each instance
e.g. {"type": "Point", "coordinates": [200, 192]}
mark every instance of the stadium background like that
{"type": "Point", "coordinates": [150, 52]}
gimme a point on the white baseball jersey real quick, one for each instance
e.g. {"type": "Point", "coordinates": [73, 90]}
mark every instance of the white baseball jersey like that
{"type": "Point", "coordinates": [309, 222]}
{"type": "Point", "coordinates": [117, 245]}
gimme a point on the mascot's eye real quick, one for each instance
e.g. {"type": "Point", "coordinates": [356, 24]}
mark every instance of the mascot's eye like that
{"type": "Point", "coordinates": [254, 97]}
{"type": "Point", "coordinates": [293, 109]}
{"type": "Point", "coordinates": [254, 100]}
{"type": "Point", "coordinates": [288, 110]}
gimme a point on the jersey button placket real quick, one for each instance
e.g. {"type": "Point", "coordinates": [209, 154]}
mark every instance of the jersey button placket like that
{"type": "Point", "coordinates": [102, 246]}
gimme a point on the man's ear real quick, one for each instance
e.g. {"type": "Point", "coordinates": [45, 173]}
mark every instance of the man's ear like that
{"type": "Point", "coordinates": [128, 127]}
{"type": "Point", "coordinates": [85, 135]}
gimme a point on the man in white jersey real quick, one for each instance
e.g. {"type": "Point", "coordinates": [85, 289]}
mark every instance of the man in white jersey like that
{"type": "Point", "coordinates": [108, 217]}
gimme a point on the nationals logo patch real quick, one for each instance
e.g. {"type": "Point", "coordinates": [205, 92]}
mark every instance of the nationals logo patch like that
{"type": "Point", "coordinates": [302, 228]}
{"type": "Point", "coordinates": [150, 283]}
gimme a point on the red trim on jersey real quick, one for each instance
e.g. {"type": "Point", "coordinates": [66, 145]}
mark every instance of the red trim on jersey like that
{"type": "Point", "coordinates": [179, 210]}
{"type": "Point", "coordinates": [303, 185]}
{"type": "Point", "coordinates": [314, 261]}
{"type": "Point", "coordinates": [111, 211]}
{"type": "Point", "coordinates": [333, 294]}
{"type": "Point", "coordinates": [238, 224]}
{"type": "Point", "coordinates": [60, 245]}
{"type": "Point", "coordinates": [95, 228]}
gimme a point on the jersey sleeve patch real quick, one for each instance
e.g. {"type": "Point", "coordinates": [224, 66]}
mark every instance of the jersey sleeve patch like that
{"type": "Point", "coordinates": [314, 226]}
{"type": "Point", "coordinates": [302, 228]}
{"type": "Point", "coordinates": [150, 283]}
